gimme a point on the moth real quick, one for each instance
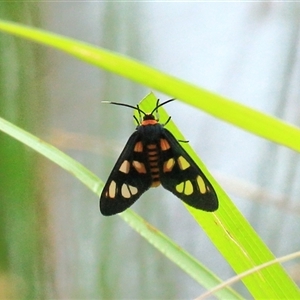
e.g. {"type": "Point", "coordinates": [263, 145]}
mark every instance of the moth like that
{"type": "Point", "coordinates": [153, 156]}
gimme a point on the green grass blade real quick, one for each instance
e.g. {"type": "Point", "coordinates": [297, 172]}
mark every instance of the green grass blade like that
{"type": "Point", "coordinates": [233, 235]}
{"type": "Point", "coordinates": [176, 254]}
{"type": "Point", "coordinates": [180, 257]}
{"type": "Point", "coordinates": [238, 277]}
{"type": "Point", "coordinates": [249, 119]}
{"type": "Point", "coordinates": [227, 228]}
{"type": "Point", "coordinates": [52, 153]}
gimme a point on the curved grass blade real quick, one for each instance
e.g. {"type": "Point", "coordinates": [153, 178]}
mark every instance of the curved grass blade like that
{"type": "Point", "coordinates": [165, 245]}
{"type": "Point", "coordinates": [223, 108]}
{"type": "Point", "coordinates": [233, 235]}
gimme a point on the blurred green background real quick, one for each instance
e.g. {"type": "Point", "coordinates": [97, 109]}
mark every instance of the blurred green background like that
{"type": "Point", "coordinates": [54, 243]}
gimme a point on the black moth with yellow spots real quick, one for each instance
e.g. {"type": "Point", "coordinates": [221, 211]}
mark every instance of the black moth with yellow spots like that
{"type": "Point", "coordinates": [152, 156]}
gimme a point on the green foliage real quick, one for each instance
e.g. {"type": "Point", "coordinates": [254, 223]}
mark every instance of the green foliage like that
{"type": "Point", "coordinates": [227, 228]}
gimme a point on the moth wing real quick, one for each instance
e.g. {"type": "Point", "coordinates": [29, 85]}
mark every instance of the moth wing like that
{"type": "Point", "coordinates": [181, 176]}
{"type": "Point", "coordinates": [129, 179]}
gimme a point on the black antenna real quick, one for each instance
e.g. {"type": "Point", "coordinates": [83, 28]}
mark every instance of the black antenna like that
{"type": "Point", "coordinates": [124, 104]}
{"type": "Point", "coordinates": [137, 107]}
{"type": "Point", "coordinates": [161, 104]}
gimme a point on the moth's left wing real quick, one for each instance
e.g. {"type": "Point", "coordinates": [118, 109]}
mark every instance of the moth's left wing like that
{"type": "Point", "coordinates": [129, 179]}
{"type": "Point", "coordinates": [181, 176]}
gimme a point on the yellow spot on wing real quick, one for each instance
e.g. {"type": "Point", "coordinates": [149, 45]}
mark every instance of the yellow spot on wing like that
{"type": "Point", "coordinates": [188, 188]}
{"type": "Point", "coordinates": [182, 162]}
{"type": "Point", "coordinates": [164, 144]}
{"type": "Point", "coordinates": [168, 165]}
{"type": "Point", "coordinates": [179, 187]}
{"type": "Point", "coordinates": [201, 184]}
{"type": "Point", "coordinates": [128, 191]}
{"type": "Point", "coordinates": [140, 167]}
{"type": "Point", "coordinates": [111, 193]}
{"type": "Point", "coordinates": [185, 187]}
{"type": "Point", "coordinates": [138, 147]}
{"type": "Point", "coordinates": [125, 166]}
